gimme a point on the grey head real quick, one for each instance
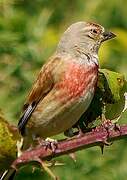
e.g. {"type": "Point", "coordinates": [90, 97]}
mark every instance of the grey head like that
{"type": "Point", "coordinates": [83, 37]}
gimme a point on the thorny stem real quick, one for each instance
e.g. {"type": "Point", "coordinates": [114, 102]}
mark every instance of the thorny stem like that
{"type": "Point", "coordinates": [97, 137]}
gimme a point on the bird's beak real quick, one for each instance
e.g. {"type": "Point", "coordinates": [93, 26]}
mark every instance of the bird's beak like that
{"type": "Point", "coordinates": [108, 35]}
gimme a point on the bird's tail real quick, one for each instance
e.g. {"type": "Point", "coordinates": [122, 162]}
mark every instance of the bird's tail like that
{"type": "Point", "coordinates": [25, 117]}
{"type": "Point", "coordinates": [8, 174]}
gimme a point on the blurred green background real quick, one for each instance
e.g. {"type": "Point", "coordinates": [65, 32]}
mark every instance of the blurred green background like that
{"type": "Point", "coordinates": [29, 33]}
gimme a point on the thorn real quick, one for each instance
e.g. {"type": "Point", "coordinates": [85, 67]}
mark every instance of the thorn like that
{"type": "Point", "coordinates": [105, 143]}
{"type": "Point", "coordinates": [102, 148]}
{"type": "Point", "coordinates": [59, 163]}
{"type": "Point", "coordinates": [73, 156]}
{"type": "Point", "coordinates": [55, 163]}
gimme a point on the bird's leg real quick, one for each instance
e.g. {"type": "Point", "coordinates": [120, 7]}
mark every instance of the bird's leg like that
{"type": "Point", "coordinates": [69, 132]}
{"type": "Point", "coordinates": [80, 132]}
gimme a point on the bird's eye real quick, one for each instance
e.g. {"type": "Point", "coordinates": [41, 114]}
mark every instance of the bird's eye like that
{"type": "Point", "coordinates": [94, 31]}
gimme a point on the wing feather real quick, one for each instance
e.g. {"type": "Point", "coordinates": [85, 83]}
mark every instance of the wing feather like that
{"type": "Point", "coordinates": [40, 89]}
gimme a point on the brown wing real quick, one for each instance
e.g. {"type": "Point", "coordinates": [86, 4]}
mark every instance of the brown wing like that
{"type": "Point", "coordinates": [41, 87]}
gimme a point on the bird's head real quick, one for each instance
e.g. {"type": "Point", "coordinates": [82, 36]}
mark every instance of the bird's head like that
{"type": "Point", "coordinates": [84, 36]}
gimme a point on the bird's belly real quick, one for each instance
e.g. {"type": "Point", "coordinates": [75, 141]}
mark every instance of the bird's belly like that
{"type": "Point", "coordinates": [62, 107]}
{"type": "Point", "coordinates": [56, 118]}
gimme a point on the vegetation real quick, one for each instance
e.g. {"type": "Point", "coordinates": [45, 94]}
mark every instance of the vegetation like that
{"type": "Point", "coordinates": [29, 32]}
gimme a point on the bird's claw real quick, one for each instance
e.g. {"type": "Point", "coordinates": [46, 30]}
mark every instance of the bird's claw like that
{"type": "Point", "coordinates": [80, 132]}
{"type": "Point", "coordinates": [108, 126]}
{"type": "Point", "coordinates": [50, 144]}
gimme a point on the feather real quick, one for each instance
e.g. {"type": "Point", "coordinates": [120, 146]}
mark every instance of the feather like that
{"type": "Point", "coordinates": [41, 87]}
{"type": "Point", "coordinates": [8, 174]}
{"type": "Point", "coordinates": [25, 117]}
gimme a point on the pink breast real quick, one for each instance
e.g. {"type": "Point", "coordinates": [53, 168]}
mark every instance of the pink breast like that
{"type": "Point", "coordinates": [76, 81]}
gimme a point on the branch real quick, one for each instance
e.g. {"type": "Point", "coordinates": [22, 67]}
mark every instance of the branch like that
{"type": "Point", "coordinates": [97, 137]}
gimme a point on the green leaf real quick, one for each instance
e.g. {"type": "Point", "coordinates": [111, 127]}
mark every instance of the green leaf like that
{"type": "Point", "coordinates": [117, 86]}
{"type": "Point", "coordinates": [115, 82]}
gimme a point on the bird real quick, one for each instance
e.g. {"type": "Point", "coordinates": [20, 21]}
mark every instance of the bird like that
{"type": "Point", "coordinates": [66, 83]}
